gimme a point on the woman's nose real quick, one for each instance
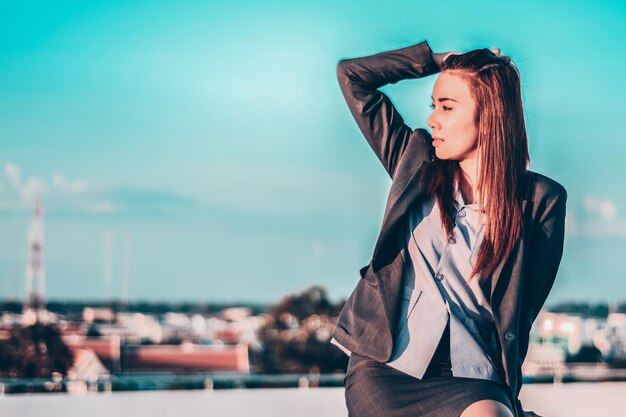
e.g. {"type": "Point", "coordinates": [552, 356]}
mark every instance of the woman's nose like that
{"type": "Point", "coordinates": [431, 122]}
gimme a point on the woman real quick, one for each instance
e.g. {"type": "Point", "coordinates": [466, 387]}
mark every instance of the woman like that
{"type": "Point", "coordinates": [469, 247]}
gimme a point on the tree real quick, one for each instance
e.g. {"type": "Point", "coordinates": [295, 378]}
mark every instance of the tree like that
{"type": "Point", "coordinates": [296, 338]}
{"type": "Point", "coordinates": [586, 354]}
{"type": "Point", "coordinates": [34, 351]}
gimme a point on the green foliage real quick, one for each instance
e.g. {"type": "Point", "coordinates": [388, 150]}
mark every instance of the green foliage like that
{"type": "Point", "coordinates": [586, 354]}
{"type": "Point", "coordinates": [34, 351]}
{"type": "Point", "coordinates": [296, 338]}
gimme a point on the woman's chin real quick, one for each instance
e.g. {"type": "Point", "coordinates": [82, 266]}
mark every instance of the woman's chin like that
{"type": "Point", "coordinates": [446, 156]}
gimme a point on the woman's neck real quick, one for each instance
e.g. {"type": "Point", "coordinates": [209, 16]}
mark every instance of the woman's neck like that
{"type": "Point", "coordinates": [469, 171]}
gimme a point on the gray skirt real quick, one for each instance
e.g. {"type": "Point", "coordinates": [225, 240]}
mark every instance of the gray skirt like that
{"type": "Point", "coordinates": [375, 389]}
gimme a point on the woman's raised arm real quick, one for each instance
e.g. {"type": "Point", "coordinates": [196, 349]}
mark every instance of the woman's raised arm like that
{"type": "Point", "coordinates": [375, 114]}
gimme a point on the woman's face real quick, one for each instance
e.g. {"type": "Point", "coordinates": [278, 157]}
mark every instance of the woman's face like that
{"type": "Point", "coordinates": [454, 131]}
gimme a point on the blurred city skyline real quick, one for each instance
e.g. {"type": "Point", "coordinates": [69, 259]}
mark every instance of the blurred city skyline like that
{"type": "Point", "coordinates": [213, 139]}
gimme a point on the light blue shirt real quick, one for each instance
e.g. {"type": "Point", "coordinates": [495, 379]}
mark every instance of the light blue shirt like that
{"type": "Point", "coordinates": [435, 290]}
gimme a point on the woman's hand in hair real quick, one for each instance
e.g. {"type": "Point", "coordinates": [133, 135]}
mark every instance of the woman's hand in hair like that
{"type": "Point", "coordinates": [439, 57]}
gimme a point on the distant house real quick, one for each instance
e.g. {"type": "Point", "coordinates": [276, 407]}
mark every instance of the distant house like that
{"type": "Point", "coordinates": [107, 349]}
{"type": "Point", "coordinates": [186, 357]}
{"type": "Point", "coordinates": [87, 366]}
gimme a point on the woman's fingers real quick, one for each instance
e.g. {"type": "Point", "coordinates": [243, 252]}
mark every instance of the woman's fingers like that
{"type": "Point", "coordinates": [440, 57]}
{"type": "Point", "coordinates": [451, 53]}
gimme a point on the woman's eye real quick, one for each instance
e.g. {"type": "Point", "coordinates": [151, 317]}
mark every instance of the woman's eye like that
{"type": "Point", "coordinates": [432, 106]}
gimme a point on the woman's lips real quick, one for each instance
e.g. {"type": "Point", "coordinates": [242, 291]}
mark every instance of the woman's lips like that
{"type": "Point", "coordinates": [436, 141]}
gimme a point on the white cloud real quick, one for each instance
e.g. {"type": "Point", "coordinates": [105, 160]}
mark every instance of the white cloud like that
{"type": "Point", "coordinates": [572, 227]}
{"type": "Point", "coordinates": [605, 208]}
{"type": "Point", "coordinates": [26, 189]}
{"type": "Point", "coordinates": [13, 173]}
{"type": "Point", "coordinates": [64, 185]}
{"type": "Point", "coordinates": [33, 188]}
{"type": "Point", "coordinates": [599, 220]}
{"type": "Point", "coordinates": [596, 228]}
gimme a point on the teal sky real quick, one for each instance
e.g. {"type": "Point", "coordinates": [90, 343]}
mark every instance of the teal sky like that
{"type": "Point", "coordinates": [213, 138]}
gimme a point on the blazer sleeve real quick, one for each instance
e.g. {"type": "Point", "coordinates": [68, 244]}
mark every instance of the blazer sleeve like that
{"type": "Point", "coordinates": [546, 251]}
{"type": "Point", "coordinates": [375, 114]}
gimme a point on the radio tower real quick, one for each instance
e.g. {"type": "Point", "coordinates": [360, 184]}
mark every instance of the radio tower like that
{"type": "Point", "coordinates": [35, 297]}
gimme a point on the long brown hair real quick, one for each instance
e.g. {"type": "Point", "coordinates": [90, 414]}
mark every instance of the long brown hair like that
{"type": "Point", "coordinates": [494, 83]}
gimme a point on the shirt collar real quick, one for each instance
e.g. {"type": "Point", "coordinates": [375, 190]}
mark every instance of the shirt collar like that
{"type": "Point", "coordinates": [459, 202]}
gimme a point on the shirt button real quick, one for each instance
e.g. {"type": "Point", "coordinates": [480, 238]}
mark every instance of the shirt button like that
{"type": "Point", "coordinates": [452, 240]}
{"type": "Point", "coordinates": [439, 276]}
{"type": "Point", "coordinates": [509, 336]}
{"type": "Point", "coordinates": [462, 213]}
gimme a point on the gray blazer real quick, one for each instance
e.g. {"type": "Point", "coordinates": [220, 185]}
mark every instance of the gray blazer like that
{"type": "Point", "coordinates": [520, 284]}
